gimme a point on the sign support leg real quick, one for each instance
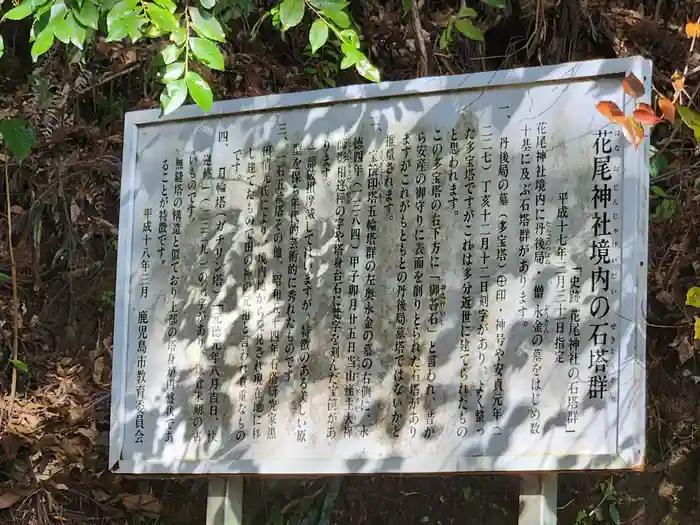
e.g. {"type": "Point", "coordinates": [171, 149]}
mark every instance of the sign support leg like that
{"type": "Point", "coordinates": [225, 501]}
{"type": "Point", "coordinates": [538, 499]}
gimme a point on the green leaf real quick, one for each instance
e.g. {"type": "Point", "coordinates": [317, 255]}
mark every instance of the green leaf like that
{"type": "Point", "coordinates": [21, 366]}
{"type": "Point", "coordinates": [350, 35]}
{"type": "Point", "coordinates": [352, 57]}
{"type": "Point", "coordinates": [171, 53]}
{"type": "Point", "coordinates": [318, 35]}
{"type": "Point", "coordinates": [130, 24]}
{"type": "Point", "coordinates": [179, 36]}
{"type": "Point", "coordinates": [407, 5]}
{"type": "Point", "coordinates": [365, 68]}
{"type": "Point", "coordinates": [173, 96]}
{"type": "Point", "coordinates": [88, 15]}
{"type": "Point", "coordinates": [467, 28]}
{"type": "Point", "coordinates": [660, 192]}
{"type": "Point", "coordinates": [446, 37]}
{"type": "Point", "coordinates": [206, 25]}
{"type": "Point", "coordinates": [467, 12]}
{"type": "Point", "coordinates": [2, 46]}
{"type": "Point", "coordinates": [167, 4]}
{"type": "Point", "coordinates": [329, 4]}
{"type": "Point", "coordinates": [63, 28]}
{"type": "Point", "coordinates": [58, 11]}
{"type": "Point", "coordinates": [495, 3]}
{"type": "Point", "coordinates": [207, 52]}
{"type": "Point", "coordinates": [691, 119]}
{"type": "Point", "coordinates": [78, 34]}
{"type": "Point", "coordinates": [612, 507]}
{"type": "Point", "coordinates": [199, 90]}
{"type": "Point", "coordinates": [207, 4]}
{"type": "Point", "coordinates": [162, 17]}
{"type": "Point", "coordinates": [4, 277]}
{"type": "Point", "coordinates": [291, 13]}
{"type": "Point", "coordinates": [173, 71]}
{"type": "Point", "coordinates": [666, 209]}
{"type": "Point", "coordinates": [154, 31]}
{"type": "Point", "coordinates": [658, 165]}
{"type": "Point", "coordinates": [43, 42]}
{"type": "Point", "coordinates": [23, 10]}
{"type": "Point", "coordinates": [17, 136]}
{"type": "Point", "coordinates": [120, 10]}
{"type": "Point", "coordinates": [340, 18]}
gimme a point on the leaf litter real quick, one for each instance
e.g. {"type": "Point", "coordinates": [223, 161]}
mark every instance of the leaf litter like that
{"type": "Point", "coordinates": [55, 444]}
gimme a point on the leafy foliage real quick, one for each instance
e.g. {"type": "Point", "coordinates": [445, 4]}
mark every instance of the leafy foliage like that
{"type": "Point", "coordinates": [463, 21]}
{"type": "Point", "coordinates": [17, 137]}
{"type": "Point", "coordinates": [191, 33]}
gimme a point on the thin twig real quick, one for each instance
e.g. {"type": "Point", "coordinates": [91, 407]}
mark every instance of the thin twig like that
{"type": "Point", "coordinates": [420, 41]}
{"type": "Point", "coordinates": [106, 79]}
{"type": "Point", "coordinates": [687, 62]}
{"type": "Point", "coordinates": [15, 300]}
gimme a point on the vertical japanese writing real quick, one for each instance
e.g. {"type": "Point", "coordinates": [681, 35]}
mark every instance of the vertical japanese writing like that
{"type": "Point", "coordinates": [561, 297]}
{"type": "Point", "coordinates": [352, 371]}
{"type": "Point", "coordinates": [399, 389]}
{"type": "Point", "coordinates": [524, 219]}
{"type": "Point", "coordinates": [418, 273]}
{"type": "Point", "coordinates": [599, 255]}
{"type": "Point", "coordinates": [338, 272]}
{"type": "Point", "coordinates": [486, 163]}
{"type": "Point", "coordinates": [273, 381]}
{"type": "Point", "coordinates": [290, 347]}
{"type": "Point", "coordinates": [466, 301]}
{"type": "Point", "coordinates": [304, 342]}
{"type": "Point", "coordinates": [573, 395]}
{"type": "Point", "coordinates": [192, 186]}
{"type": "Point", "coordinates": [204, 206]}
{"type": "Point", "coordinates": [174, 281]}
{"type": "Point", "coordinates": [540, 323]}
{"type": "Point", "coordinates": [436, 289]}
{"type": "Point", "coordinates": [142, 324]}
{"type": "Point", "coordinates": [370, 283]}
{"type": "Point", "coordinates": [388, 166]}
{"type": "Point", "coordinates": [247, 339]}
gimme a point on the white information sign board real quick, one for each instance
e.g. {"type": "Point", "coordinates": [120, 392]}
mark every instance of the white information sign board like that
{"type": "Point", "coordinates": [438, 275]}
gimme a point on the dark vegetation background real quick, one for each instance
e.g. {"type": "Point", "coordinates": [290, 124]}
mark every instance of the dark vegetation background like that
{"type": "Point", "coordinates": [64, 211]}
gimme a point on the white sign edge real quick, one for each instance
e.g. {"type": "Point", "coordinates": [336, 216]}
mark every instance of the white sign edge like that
{"type": "Point", "coordinates": [634, 275]}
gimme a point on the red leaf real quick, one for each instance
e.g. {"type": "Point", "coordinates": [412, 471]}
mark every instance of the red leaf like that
{"type": "Point", "coordinates": [668, 109]}
{"type": "Point", "coordinates": [646, 118]}
{"type": "Point", "coordinates": [633, 86]}
{"type": "Point", "coordinates": [610, 110]}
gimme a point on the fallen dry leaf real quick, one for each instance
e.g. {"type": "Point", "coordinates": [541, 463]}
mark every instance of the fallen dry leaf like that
{"type": "Point", "coordinates": [685, 350]}
{"type": "Point", "coordinates": [668, 109]}
{"type": "Point", "coordinates": [11, 445]}
{"type": "Point", "coordinates": [98, 369]}
{"type": "Point", "coordinates": [610, 111]}
{"type": "Point", "coordinates": [666, 298]}
{"type": "Point", "coordinates": [142, 502]}
{"type": "Point", "coordinates": [692, 30]}
{"type": "Point", "coordinates": [633, 86]}
{"type": "Point", "coordinates": [10, 499]}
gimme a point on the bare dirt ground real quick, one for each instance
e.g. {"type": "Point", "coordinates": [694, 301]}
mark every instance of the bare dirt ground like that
{"type": "Point", "coordinates": [64, 211]}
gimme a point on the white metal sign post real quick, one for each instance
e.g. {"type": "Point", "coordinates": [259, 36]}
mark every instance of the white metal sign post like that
{"type": "Point", "coordinates": [432, 276]}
